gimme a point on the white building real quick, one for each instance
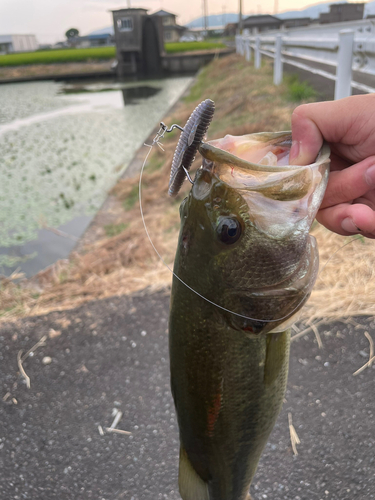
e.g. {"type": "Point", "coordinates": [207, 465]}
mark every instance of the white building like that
{"type": "Point", "coordinates": [17, 43]}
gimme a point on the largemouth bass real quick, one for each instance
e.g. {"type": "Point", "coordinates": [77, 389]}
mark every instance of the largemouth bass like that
{"type": "Point", "coordinates": [244, 245]}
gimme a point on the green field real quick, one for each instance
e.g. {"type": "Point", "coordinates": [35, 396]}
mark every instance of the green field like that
{"type": "Point", "coordinates": [91, 54]}
{"type": "Point", "coordinates": [58, 56]}
{"type": "Point", "coordinates": [173, 48]}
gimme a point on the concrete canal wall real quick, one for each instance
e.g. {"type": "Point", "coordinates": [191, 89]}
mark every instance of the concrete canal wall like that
{"type": "Point", "coordinates": [191, 62]}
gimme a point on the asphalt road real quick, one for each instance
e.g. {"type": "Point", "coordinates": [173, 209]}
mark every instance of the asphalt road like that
{"type": "Point", "coordinates": [112, 354]}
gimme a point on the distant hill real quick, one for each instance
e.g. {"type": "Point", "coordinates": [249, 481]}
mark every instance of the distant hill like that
{"type": "Point", "coordinates": [104, 31]}
{"type": "Point", "coordinates": [214, 20]}
{"type": "Point", "coordinates": [219, 19]}
{"type": "Point", "coordinates": [313, 11]}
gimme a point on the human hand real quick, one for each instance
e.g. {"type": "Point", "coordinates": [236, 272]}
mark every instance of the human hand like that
{"type": "Point", "coordinates": [348, 125]}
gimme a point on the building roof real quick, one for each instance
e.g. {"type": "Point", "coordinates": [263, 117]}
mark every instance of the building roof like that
{"type": "Point", "coordinates": [288, 19]}
{"type": "Point", "coordinates": [135, 9]}
{"type": "Point", "coordinates": [163, 13]}
{"type": "Point", "coordinates": [261, 19]}
{"type": "Point", "coordinates": [5, 38]}
{"type": "Point", "coordinates": [99, 36]}
{"type": "Point", "coordinates": [175, 27]}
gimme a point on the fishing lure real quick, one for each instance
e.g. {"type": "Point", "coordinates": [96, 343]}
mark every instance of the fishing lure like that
{"type": "Point", "coordinates": [188, 144]}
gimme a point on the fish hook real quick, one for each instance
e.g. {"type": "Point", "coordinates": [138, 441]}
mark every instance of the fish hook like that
{"type": "Point", "coordinates": [188, 176]}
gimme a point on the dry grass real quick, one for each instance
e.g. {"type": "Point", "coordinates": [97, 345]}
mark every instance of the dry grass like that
{"type": "Point", "coordinates": [246, 101]}
{"type": "Point", "coordinates": [346, 285]}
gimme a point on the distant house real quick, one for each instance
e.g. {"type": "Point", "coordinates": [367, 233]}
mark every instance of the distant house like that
{"type": "Point", "coordinates": [342, 12]}
{"type": "Point", "coordinates": [17, 43]}
{"type": "Point", "coordinates": [296, 22]}
{"type": "Point", "coordinates": [172, 31]}
{"type": "Point", "coordinates": [93, 40]}
{"type": "Point", "coordinates": [101, 40]}
{"type": "Point", "coordinates": [262, 22]}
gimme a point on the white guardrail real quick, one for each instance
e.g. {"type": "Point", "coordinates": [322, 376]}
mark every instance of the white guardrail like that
{"type": "Point", "coordinates": [347, 50]}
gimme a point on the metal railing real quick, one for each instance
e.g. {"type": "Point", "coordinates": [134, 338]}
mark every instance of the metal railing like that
{"type": "Point", "coordinates": [345, 50]}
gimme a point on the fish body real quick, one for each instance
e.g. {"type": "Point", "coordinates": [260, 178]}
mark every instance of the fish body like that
{"type": "Point", "coordinates": [229, 337]}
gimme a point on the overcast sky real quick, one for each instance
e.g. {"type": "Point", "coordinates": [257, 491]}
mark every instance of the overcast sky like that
{"type": "Point", "coordinates": [50, 19]}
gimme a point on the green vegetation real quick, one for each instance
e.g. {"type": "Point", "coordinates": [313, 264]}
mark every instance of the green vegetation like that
{"type": "Point", "coordinates": [155, 162]}
{"type": "Point", "coordinates": [58, 56]}
{"type": "Point", "coordinates": [91, 54]}
{"type": "Point", "coordinates": [115, 229]}
{"type": "Point", "coordinates": [131, 199]}
{"type": "Point", "coordinates": [172, 48]}
{"type": "Point", "coordinates": [297, 90]}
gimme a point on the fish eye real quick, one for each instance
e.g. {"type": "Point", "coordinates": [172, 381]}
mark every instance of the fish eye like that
{"type": "Point", "coordinates": [229, 230]}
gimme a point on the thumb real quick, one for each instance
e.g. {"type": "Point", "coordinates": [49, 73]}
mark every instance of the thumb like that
{"type": "Point", "coordinates": [306, 137]}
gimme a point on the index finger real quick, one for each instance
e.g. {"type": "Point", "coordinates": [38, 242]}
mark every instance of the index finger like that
{"type": "Point", "coordinates": [340, 122]}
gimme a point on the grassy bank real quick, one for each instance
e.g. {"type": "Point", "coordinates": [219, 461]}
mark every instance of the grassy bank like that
{"type": "Point", "coordinates": [91, 54]}
{"type": "Point", "coordinates": [174, 48]}
{"type": "Point", "coordinates": [121, 260]}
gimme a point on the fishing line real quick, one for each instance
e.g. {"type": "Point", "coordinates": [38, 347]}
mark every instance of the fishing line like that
{"type": "Point", "coordinates": [337, 251]}
{"type": "Point", "coordinates": [160, 135]}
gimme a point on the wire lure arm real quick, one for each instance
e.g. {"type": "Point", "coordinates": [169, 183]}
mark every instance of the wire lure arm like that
{"type": "Point", "coordinates": [166, 129]}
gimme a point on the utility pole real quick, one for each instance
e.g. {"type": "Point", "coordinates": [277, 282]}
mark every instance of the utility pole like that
{"type": "Point", "coordinates": [240, 19]}
{"type": "Point", "coordinates": [129, 6]}
{"type": "Point", "coordinates": [205, 15]}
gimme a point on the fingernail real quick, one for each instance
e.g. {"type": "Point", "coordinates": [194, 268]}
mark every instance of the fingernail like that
{"type": "Point", "coordinates": [370, 176]}
{"type": "Point", "coordinates": [294, 150]}
{"type": "Point", "coordinates": [349, 226]}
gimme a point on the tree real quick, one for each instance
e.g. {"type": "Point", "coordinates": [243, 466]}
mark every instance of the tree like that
{"type": "Point", "coordinates": [72, 33]}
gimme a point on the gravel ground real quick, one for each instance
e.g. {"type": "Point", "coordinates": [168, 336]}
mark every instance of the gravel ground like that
{"type": "Point", "coordinates": [112, 354]}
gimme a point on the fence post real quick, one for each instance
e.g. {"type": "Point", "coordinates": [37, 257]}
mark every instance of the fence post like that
{"type": "Point", "coordinates": [237, 44]}
{"type": "Point", "coordinates": [248, 48]}
{"type": "Point", "coordinates": [278, 63]}
{"type": "Point", "coordinates": [344, 64]}
{"type": "Point", "coordinates": [257, 52]}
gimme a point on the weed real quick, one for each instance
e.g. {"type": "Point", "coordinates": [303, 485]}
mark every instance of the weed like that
{"type": "Point", "coordinates": [299, 91]}
{"type": "Point", "coordinates": [115, 229]}
{"type": "Point", "coordinates": [155, 162]}
{"type": "Point", "coordinates": [63, 276]}
{"type": "Point", "coordinates": [131, 199]}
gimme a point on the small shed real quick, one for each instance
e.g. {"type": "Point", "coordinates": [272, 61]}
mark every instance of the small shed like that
{"type": "Point", "coordinates": [139, 42]}
{"type": "Point", "coordinates": [17, 43]}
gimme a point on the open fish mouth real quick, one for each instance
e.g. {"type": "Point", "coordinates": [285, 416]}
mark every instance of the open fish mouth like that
{"type": "Point", "coordinates": [279, 195]}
